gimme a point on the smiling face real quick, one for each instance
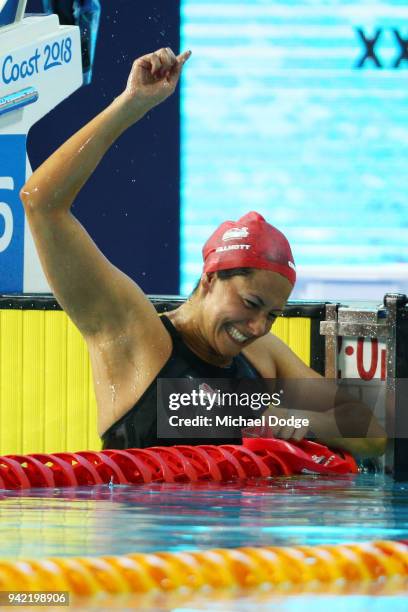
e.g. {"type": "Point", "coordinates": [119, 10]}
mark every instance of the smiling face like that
{"type": "Point", "coordinates": [238, 310]}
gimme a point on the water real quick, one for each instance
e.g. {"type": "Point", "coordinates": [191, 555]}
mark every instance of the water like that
{"type": "Point", "coordinates": [291, 128]}
{"type": "Point", "coordinates": [284, 511]}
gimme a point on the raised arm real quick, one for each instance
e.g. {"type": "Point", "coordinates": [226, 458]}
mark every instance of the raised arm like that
{"type": "Point", "coordinates": [93, 292]}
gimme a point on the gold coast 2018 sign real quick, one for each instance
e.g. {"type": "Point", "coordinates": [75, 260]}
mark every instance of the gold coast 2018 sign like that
{"type": "Point", "coordinates": [50, 56]}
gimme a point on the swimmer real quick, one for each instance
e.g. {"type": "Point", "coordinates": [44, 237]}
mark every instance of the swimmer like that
{"type": "Point", "coordinates": [221, 331]}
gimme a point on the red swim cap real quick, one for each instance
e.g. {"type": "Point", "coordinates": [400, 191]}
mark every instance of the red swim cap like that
{"type": "Point", "coordinates": [249, 242]}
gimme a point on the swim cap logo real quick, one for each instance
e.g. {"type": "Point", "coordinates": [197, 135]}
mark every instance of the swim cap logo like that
{"type": "Point", "coordinates": [291, 265]}
{"type": "Point", "coordinates": [235, 232]}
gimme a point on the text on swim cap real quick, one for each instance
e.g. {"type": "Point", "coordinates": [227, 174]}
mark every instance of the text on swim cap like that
{"type": "Point", "coordinates": [233, 247]}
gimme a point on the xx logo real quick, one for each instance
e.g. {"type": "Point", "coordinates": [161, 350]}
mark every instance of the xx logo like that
{"type": "Point", "coordinates": [370, 54]}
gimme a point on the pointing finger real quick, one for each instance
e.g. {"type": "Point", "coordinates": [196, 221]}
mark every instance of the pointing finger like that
{"type": "Point", "coordinates": [183, 57]}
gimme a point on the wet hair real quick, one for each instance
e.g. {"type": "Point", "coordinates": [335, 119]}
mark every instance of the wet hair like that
{"type": "Point", "coordinates": [226, 274]}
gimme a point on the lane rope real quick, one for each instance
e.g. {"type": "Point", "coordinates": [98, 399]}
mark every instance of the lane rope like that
{"type": "Point", "coordinates": [375, 567]}
{"type": "Point", "coordinates": [256, 458]}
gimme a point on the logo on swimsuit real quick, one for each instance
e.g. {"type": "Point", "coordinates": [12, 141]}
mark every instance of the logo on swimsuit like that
{"type": "Point", "coordinates": [207, 392]}
{"type": "Point", "coordinates": [235, 232]}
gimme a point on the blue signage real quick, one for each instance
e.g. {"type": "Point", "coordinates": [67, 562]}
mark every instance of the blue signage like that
{"type": "Point", "coordinates": [12, 178]}
{"type": "Point", "coordinates": [8, 12]}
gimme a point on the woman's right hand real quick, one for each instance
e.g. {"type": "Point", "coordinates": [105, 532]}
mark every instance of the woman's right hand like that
{"type": "Point", "coordinates": [153, 78]}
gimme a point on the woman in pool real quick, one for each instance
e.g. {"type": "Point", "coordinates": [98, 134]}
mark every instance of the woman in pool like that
{"type": "Point", "coordinates": [221, 331]}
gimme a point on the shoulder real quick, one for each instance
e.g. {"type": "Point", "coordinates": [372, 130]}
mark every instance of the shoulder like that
{"type": "Point", "coordinates": [260, 356]}
{"type": "Point", "coordinates": [279, 359]}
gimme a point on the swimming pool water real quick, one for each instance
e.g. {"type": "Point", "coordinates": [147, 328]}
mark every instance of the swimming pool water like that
{"type": "Point", "coordinates": [123, 519]}
{"type": "Point", "coordinates": [292, 128]}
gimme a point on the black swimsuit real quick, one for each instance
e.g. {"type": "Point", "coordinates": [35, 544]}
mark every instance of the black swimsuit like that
{"type": "Point", "coordinates": [138, 427]}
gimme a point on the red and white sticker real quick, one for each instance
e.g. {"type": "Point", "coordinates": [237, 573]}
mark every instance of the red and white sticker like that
{"type": "Point", "coordinates": [364, 358]}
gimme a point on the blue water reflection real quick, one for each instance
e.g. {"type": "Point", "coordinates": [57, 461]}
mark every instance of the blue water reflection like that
{"type": "Point", "coordinates": [284, 511]}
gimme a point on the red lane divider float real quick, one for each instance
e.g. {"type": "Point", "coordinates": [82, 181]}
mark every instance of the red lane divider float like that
{"type": "Point", "coordinates": [305, 457]}
{"type": "Point", "coordinates": [136, 469]}
{"type": "Point", "coordinates": [85, 472]}
{"type": "Point", "coordinates": [13, 474]}
{"type": "Point", "coordinates": [229, 465]}
{"type": "Point", "coordinates": [62, 471]}
{"type": "Point", "coordinates": [203, 462]}
{"type": "Point", "coordinates": [178, 463]}
{"type": "Point", "coordinates": [256, 458]}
